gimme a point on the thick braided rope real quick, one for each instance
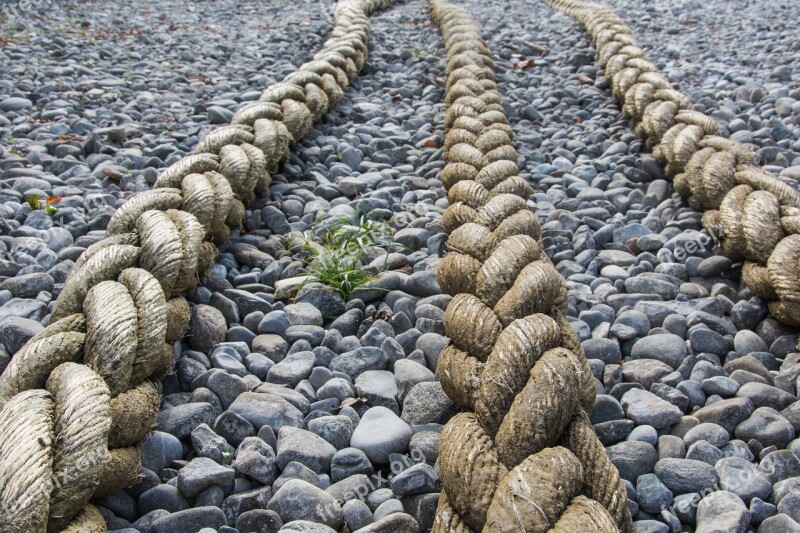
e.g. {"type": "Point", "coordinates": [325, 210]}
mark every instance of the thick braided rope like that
{"type": "Point", "coordinates": [755, 214]}
{"type": "Point", "coordinates": [526, 457]}
{"type": "Point", "coordinates": [79, 397]}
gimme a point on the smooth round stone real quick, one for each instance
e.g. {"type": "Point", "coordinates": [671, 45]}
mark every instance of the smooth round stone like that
{"type": "Point", "coordinates": [766, 426]}
{"type": "Point", "coordinates": [632, 458]}
{"type": "Point", "coordinates": [303, 314]}
{"type": "Point", "coordinates": [349, 462]}
{"type": "Point", "coordinates": [357, 514]}
{"type": "Point", "coordinates": [743, 478]}
{"type": "Point", "coordinates": [685, 475]}
{"type": "Point", "coordinates": [652, 495]}
{"type": "Point", "coordinates": [292, 369]}
{"type": "Point", "coordinates": [305, 447]}
{"type": "Point", "coordinates": [159, 449]}
{"type": "Point", "coordinates": [761, 510]}
{"type": "Point", "coordinates": [705, 452]}
{"type": "Point", "coordinates": [721, 385]}
{"type": "Point", "coordinates": [380, 433]}
{"type": "Point", "coordinates": [780, 465]}
{"type": "Point", "coordinates": [614, 272]}
{"type": "Point", "coordinates": [630, 324]}
{"type": "Point", "coordinates": [190, 520]}
{"type": "Point", "coordinates": [15, 103]}
{"type": "Point", "coordinates": [645, 433]}
{"type": "Point", "coordinates": [708, 341]}
{"type": "Point", "coordinates": [722, 511]}
{"type": "Point", "coordinates": [606, 350]}
{"type": "Point", "coordinates": [646, 408]}
{"type": "Point", "coordinates": [202, 473]}
{"type": "Point", "coordinates": [671, 446]}
{"type": "Point", "coordinates": [714, 434]}
{"type": "Point", "coordinates": [667, 348]}
{"type": "Point", "coordinates": [746, 342]}
{"type": "Point", "coordinates": [387, 508]}
{"type": "Point", "coordinates": [299, 500]}
{"type": "Point", "coordinates": [790, 506]}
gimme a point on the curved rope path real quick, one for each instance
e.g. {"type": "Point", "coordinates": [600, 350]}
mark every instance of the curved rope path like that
{"type": "Point", "coordinates": [523, 457]}
{"type": "Point", "coordinates": [79, 397]}
{"type": "Point", "coordinates": [755, 214]}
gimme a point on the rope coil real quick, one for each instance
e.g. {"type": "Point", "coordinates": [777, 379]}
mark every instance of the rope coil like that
{"type": "Point", "coordinates": [78, 398]}
{"type": "Point", "coordinates": [755, 214]}
{"type": "Point", "coordinates": [526, 458]}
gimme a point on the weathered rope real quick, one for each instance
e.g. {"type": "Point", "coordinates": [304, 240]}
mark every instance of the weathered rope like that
{"type": "Point", "coordinates": [755, 214]}
{"type": "Point", "coordinates": [526, 458]}
{"type": "Point", "coordinates": [78, 398]}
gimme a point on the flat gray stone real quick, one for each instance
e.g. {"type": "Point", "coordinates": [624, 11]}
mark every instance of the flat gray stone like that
{"type": "Point", "coordinates": [298, 500]}
{"type": "Point", "coordinates": [295, 444]}
{"type": "Point", "coordinates": [685, 475]}
{"type": "Point", "coordinates": [262, 409]}
{"type": "Point", "coordinates": [644, 407]}
{"type": "Point", "coordinates": [722, 512]}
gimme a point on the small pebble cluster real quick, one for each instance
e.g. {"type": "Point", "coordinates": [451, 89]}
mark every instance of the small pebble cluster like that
{"type": "Point", "coordinates": [312, 413]}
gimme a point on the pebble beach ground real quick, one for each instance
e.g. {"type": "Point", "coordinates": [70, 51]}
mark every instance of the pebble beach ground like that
{"type": "Point", "coordinates": [259, 431]}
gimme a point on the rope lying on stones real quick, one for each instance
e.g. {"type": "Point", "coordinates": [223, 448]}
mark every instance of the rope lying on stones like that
{"type": "Point", "coordinates": [526, 457]}
{"type": "Point", "coordinates": [78, 398]}
{"type": "Point", "coordinates": [755, 214]}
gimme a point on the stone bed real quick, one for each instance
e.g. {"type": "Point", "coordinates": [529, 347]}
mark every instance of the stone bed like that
{"type": "Point", "coordinates": [697, 385]}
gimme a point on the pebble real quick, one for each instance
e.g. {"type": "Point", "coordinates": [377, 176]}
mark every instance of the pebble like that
{"type": "Point", "coordinates": [743, 478]}
{"type": "Point", "coordinates": [418, 479]}
{"type": "Point", "coordinates": [685, 475]}
{"type": "Point", "coordinates": [298, 500]}
{"type": "Point", "coordinates": [714, 434]}
{"type": "Point", "coordinates": [380, 433]}
{"type": "Point", "coordinates": [256, 460]}
{"type": "Point", "coordinates": [633, 458]}
{"type": "Point", "coordinates": [645, 317]}
{"type": "Point", "coordinates": [262, 409]}
{"type": "Point", "coordinates": [727, 413]}
{"type": "Point", "coordinates": [766, 426]}
{"type": "Point", "coordinates": [180, 420]}
{"type": "Point", "coordinates": [646, 408]}
{"type": "Point", "coordinates": [305, 447]}
{"type": "Point", "coordinates": [202, 473]}
{"type": "Point", "coordinates": [722, 511]}
{"type": "Point", "coordinates": [652, 495]}
{"type": "Point", "coordinates": [190, 520]}
{"type": "Point", "coordinates": [427, 403]}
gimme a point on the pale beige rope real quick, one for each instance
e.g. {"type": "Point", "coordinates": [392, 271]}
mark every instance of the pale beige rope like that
{"type": "Point", "coordinates": [521, 460]}
{"type": "Point", "coordinates": [754, 213]}
{"type": "Point", "coordinates": [69, 431]}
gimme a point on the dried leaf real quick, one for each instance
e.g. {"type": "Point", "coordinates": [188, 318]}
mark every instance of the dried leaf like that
{"type": "Point", "coordinates": [350, 402]}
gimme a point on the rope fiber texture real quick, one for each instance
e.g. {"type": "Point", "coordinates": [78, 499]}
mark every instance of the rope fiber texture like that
{"type": "Point", "coordinates": [78, 398]}
{"type": "Point", "coordinates": [754, 213]}
{"type": "Point", "coordinates": [523, 456]}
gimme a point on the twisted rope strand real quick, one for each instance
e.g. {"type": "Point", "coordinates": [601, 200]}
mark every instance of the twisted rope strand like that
{"type": "Point", "coordinates": [513, 358]}
{"type": "Point", "coordinates": [754, 213]}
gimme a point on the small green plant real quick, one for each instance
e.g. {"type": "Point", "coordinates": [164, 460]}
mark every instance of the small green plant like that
{"type": "Point", "coordinates": [337, 252]}
{"type": "Point", "coordinates": [35, 204]}
{"type": "Point", "coordinates": [416, 52]}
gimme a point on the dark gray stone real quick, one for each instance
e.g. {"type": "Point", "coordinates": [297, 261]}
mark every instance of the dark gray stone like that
{"type": "Point", "coordinates": [298, 500]}
{"type": "Point", "coordinates": [685, 475]}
